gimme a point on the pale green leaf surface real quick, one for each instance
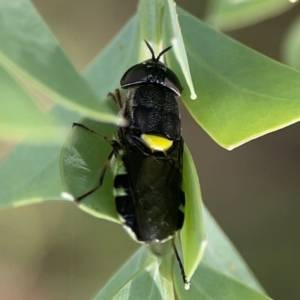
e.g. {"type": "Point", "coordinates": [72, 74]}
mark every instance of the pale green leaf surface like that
{"type": "Point", "coordinates": [36, 175]}
{"type": "Point", "coordinates": [230, 14]}
{"type": "Point", "coordinates": [291, 45]}
{"type": "Point", "coordinates": [18, 114]}
{"type": "Point", "coordinates": [222, 274]}
{"type": "Point", "coordinates": [105, 72]}
{"type": "Point", "coordinates": [221, 255]}
{"type": "Point", "coordinates": [82, 160]}
{"type": "Point", "coordinates": [142, 277]}
{"type": "Point", "coordinates": [209, 284]}
{"type": "Point", "coordinates": [28, 49]}
{"type": "Point", "coordinates": [30, 173]}
{"type": "Point", "coordinates": [173, 32]}
{"type": "Point", "coordinates": [193, 239]}
{"type": "Point", "coordinates": [241, 94]}
{"type": "Point", "coordinates": [150, 18]}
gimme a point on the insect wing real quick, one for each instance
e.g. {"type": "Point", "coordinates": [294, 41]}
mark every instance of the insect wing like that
{"type": "Point", "coordinates": [155, 188]}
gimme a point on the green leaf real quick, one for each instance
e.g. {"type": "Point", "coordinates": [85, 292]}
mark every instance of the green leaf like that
{"type": "Point", "coordinates": [222, 274]}
{"type": "Point", "coordinates": [223, 257]}
{"type": "Point", "coordinates": [241, 94]}
{"type": "Point", "coordinates": [38, 179]}
{"type": "Point", "coordinates": [143, 276]}
{"type": "Point", "coordinates": [30, 173]}
{"type": "Point", "coordinates": [172, 30]}
{"type": "Point", "coordinates": [229, 15]}
{"type": "Point", "coordinates": [150, 16]}
{"type": "Point", "coordinates": [105, 72]}
{"type": "Point", "coordinates": [209, 284]}
{"type": "Point", "coordinates": [29, 50]}
{"type": "Point", "coordinates": [82, 160]}
{"type": "Point", "coordinates": [291, 45]}
{"type": "Point", "coordinates": [19, 115]}
{"type": "Point", "coordinates": [193, 239]}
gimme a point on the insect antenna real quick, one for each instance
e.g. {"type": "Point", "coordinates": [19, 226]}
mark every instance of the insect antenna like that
{"type": "Point", "coordinates": [151, 50]}
{"type": "Point", "coordinates": [186, 283]}
{"type": "Point", "coordinates": [163, 52]}
{"type": "Point", "coordinates": [160, 54]}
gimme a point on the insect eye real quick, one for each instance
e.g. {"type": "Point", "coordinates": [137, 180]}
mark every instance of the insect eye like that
{"type": "Point", "coordinates": [151, 71]}
{"type": "Point", "coordinates": [135, 75]}
{"type": "Point", "coordinates": [172, 82]}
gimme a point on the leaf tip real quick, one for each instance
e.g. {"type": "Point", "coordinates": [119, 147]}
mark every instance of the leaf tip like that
{"type": "Point", "coordinates": [187, 286]}
{"type": "Point", "coordinates": [193, 96]}
{"type": "Point", "coordinates": [67, 196]}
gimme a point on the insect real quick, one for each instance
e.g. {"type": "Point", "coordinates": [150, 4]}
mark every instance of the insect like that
{"type": "Point", "coordinates": [148, 157]}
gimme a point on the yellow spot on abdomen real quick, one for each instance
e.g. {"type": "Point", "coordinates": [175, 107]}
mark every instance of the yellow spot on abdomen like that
{"type": "Point", "coordinates": [156, 143]}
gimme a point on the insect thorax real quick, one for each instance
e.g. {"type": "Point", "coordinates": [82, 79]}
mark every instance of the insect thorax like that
{"type": "Point", "coordinates": [152, 109]}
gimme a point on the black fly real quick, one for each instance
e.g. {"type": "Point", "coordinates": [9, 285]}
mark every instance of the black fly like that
{"type": "Point", "coordinates": [148, 157]}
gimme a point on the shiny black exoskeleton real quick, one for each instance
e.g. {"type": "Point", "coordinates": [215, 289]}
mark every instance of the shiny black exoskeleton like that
{"type": "Point", "coordinates": [151, 203]}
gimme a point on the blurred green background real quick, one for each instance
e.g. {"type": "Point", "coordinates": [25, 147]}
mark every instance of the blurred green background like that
{"type": "Point", "coordinates": [55, 251]}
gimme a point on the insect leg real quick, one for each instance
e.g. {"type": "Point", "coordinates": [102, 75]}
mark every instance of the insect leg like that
{"type": "Point", "coordinates": [100, 181]}
{"type": "Point", "coordinates": [186, 283]}
{"type": "Point", "coordinates": [94, 132]}
{"type": "Point", "coordinates": [116, 146]}
{"type": "Point", "coordinates": [117, 98]}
